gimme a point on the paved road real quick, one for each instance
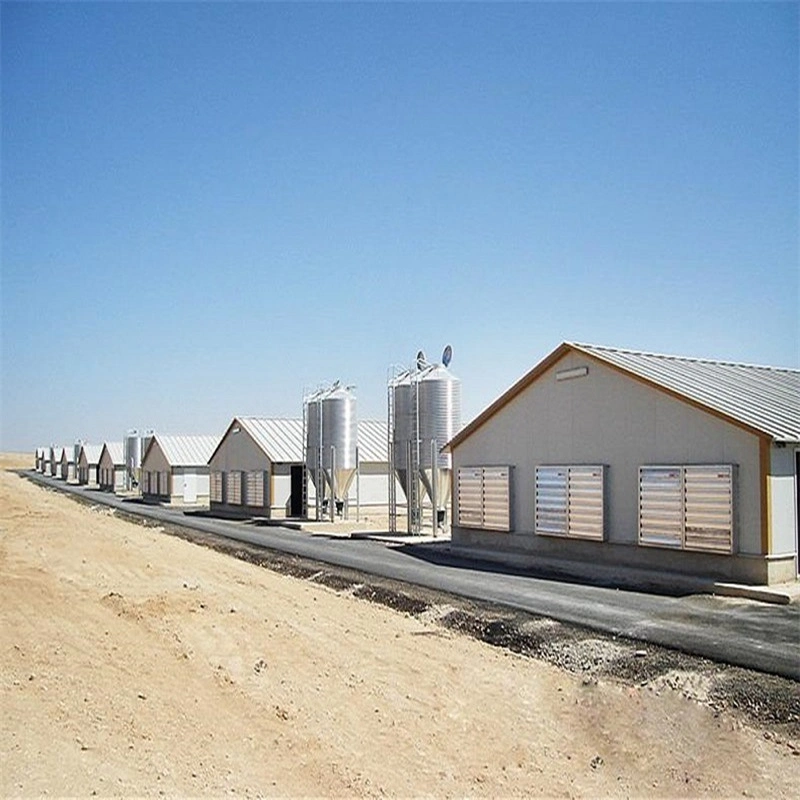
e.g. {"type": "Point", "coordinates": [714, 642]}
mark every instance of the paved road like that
{"type": "Point", "coordinates": [759, 636]}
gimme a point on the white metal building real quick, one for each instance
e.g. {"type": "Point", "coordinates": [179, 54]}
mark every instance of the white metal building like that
{"type": "Point", "coordinates": [600, 456]}
{"type": "Point", "coordinates": [88, 461]}
{"type": "Point", "coordinates": [258, 468]}
{"type": "Point", "coordinates": [175, 469]}
{"type": "Point", "coordinates": [53, 460]}
{"type": "Point", "coordinates": [68, 469]}
{"type": "Point", "coordinates": [111, 467]}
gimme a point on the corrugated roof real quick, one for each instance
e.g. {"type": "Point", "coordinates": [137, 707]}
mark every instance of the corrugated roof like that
{"type": "Point", "coordinates": [373, 437]}
{"type": "Point", "coordinates": [92, 453]}
{"type": "Point", "coordinates": [115, 451]}
{"type": "Point", "coordinates": [187, 451]}
{"type": "Point", "coordinates": [282, 439]}
{"type": "Point", "coordinates": [764, 398]}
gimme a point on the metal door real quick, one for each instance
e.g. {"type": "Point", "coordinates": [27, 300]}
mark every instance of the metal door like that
{"type": "Point", "coordinates": [190, 488]}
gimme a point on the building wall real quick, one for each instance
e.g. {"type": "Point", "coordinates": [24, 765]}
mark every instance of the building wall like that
{"type": "Point", "coordinates": [238, 452]}
{"type": "Point", "coordinates": [110, 476]}
{"type": "Point", "coordinates": [67, 470]}
{"type": "Point", "coordinates": [87, 473]}
{"type": "Point", "coordinates": [608, 418]}
{"type": "Point", "coordinates": [783, 500]}
{"type": "Point", "coordinates": [187, 481]}
{"type": "Point", "coordinates": [155, 464]}
{"type": "Point", "coordinates": [373, 486]}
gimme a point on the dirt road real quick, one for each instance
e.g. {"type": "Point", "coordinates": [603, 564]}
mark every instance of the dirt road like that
{"type": "Point", "coordinates": [135, 663]}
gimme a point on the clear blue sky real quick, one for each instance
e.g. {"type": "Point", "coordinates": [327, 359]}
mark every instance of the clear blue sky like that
{"type": "Point", "coordinates": [207, 208]}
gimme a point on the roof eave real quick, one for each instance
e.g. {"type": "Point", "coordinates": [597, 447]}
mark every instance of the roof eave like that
{"type": "Point", "coordinates": [698, 404]}
{"type": "Point", "coordinates": [566, 347]}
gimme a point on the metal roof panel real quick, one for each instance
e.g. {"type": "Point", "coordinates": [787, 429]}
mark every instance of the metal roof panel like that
{"type": "Point", "coordinates": [187, 451]}
{"type": "Point", "coordinates": [282, 439]}
{"type": "Point", "coordinates": [373, 436]}
{"type": "Point", "coordinates": [115, 451]}
{"type": "Point", "coordinates": [92, 453]}
{"type": "Point", "coordinates": [764, 398]}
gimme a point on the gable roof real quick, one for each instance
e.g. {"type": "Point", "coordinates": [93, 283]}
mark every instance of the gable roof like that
{"type": "Point", "coordinates": [763, 400]}
{"type": "Point", "coordinates": [115, 452]}
{"type": "Point", "coordinates": [185, 451]}
{"type": "Point", "coordinates": [373, 438]}
{"type": "Point", "coordinates": [92, 453]}
{"type": "Point", "coordinates": [69, 452]}
{"type": "Point", "coordinates": [281, 440]}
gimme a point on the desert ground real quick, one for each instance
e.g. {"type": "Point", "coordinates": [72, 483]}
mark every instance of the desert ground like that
{"type": "Point", "coordinates": [137, 663]}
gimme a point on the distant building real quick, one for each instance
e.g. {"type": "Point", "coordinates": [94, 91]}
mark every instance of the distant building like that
{"type": "Point", "coordinates": [68, 467]}
{"type": "Point", "coordinates": [88, 462]}
{"type": "Point", "coordinates": [601, 456]}
{"type": "Point", "coordinates": [258, 469]}
{"type": "Point", "coordinates": [111, 468]}
{"type": "Point", "coordinates": [53, 460]}
{"type": "Point", "coordinates": [175, 469]}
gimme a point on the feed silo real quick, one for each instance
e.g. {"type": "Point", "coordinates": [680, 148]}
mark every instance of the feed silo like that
{"type": "Point", "coordinates": [402, 424]}
{"type": "Point", "coordinates": [146, 439]}
{"type": "Point", "coordinates": [132, 453]}
{"type": "Point", "coordinates": [339, 441]}
{"type": "Point", "coordinates": [439, 401]}
{"type": "Point", "coordinates": [331, 442]}
{"type": "Point", "coordinates": [424, 414]}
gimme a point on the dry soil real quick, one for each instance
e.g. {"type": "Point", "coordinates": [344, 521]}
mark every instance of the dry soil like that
{"type": "Point", "coordinates": [137, 663]}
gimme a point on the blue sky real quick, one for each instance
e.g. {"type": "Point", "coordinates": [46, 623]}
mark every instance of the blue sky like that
{"type": "Point", "coordinates": [207, 208]}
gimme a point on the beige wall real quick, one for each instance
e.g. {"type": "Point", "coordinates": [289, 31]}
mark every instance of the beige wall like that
{"type": "Point", "coordinates": [67, 470]}
{"type": "Point", "coordinates": [238, 451]}
{"type": "Point", "coordinates": [783, 500]}
{"type": "Point", "coordinates": [374, 486]}
{"type": "Point", "coordinates": [87, 473]}
{"type": "Point", "coordinates": [109, 475]}
{"type": "Point", "coordinates": [154, 460]}
{"type": "Point", "coordinates": [196, 477]}
{"type": "Point", "coordinates": [608, 418]}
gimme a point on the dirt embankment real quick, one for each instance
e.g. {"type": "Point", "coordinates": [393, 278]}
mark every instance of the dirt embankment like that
{"type": "Point", "coordinates": [138, 663]}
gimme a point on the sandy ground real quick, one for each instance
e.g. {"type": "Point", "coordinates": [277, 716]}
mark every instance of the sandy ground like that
{"type": "Point", "coordinates": [135, 663]}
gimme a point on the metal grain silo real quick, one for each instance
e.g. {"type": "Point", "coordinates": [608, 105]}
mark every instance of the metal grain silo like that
{"type": "Point", "coordinates": [132, 454]}
{"type": "Point", "coordinates": [339, 438]}
{"type": "Point", "coordinates": [439, 400]}
{"type": "Point", "coordinates": [404, 423]}
{"type": "Point", "coordinates": [313, 443]}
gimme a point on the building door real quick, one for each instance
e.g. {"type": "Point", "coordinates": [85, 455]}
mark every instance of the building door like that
{"type": "Point", "coordinates": [190, 488]}
{"type": "Point", "coordinates": [296, 497]}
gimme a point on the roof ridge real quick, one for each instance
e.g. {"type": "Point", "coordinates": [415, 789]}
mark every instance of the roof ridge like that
{"type": "Point", "coordinates": [674, 357]}
{"type": "Point", "coordinates": [256, 416]}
